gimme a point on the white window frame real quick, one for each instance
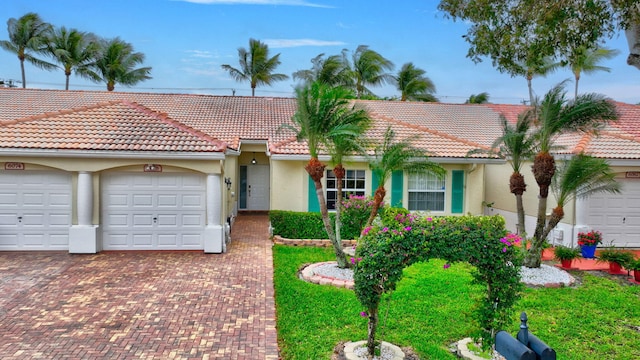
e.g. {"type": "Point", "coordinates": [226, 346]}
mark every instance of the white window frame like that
{"type": "Point", "coordinates": [427, 183]}
{"type": "Point", "coordinates": [350, 183]}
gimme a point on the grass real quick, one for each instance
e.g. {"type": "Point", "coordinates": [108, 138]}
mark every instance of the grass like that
{"type": "Point", "coordinates": [599, 319]}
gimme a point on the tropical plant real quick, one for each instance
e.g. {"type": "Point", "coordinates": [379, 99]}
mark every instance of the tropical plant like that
{"type": "Point", "coordinates": [323, 115]}
{"type": "Point", "coordinates": [368, 69]}
{"type": "Point", "coordinates": [75, 51]}
{"type": "Point", "coordinates": [565, 253]}
{"type": "Point", "coordinates": [28, 36]}
{"type": "Point", "coordinates": [332, 70]}
{"type": "Point", "coordinates": [590, 238]}
{"type": "Point", "coordinates": [116, 63]}
{"type": "Point", "coordinates": [612, 255]}
{"type": "Point", "coordinates": [555, 115]}
{"type": "Point", "coordinates": [392, 155]}
{"type": "Point", "coordinates": [256, 66]}
{"type": "Point", "coordinates": [414, 85]}
{"type": "Point", "coordinates": [482, 98]}
{"type": "Point", "coordinates": [585, 60]}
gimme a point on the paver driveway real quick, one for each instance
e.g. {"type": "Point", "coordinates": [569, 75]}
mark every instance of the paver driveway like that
{"type": "Point", "coordinates": [142, 305]}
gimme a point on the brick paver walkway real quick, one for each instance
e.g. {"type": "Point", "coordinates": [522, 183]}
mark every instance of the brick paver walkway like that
{"type": "Point", "coordinates": [142, 305]}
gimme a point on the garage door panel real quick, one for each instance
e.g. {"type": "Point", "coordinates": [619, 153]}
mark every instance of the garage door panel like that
{"type": "Point", "coordinates": [159, 209]}
{"type": "Point", "coordinates": [9, 200]}
{"type": "Point", "coordinates": [7, 221]}
{"type": "Point", "coordinates": [117, 200]}
{"type": "Point", "coordinates": [617, 216]}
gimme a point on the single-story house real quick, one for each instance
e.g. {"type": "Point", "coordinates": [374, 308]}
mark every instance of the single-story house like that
{"type": "Point", "coordinates": [88, 171]}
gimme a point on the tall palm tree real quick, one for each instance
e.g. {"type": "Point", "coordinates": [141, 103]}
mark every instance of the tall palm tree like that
{"type": "Point", "coordinates": [331, 70]}
{"type": "Point", "coordinates": [75, 51]}
{"type": "Point", "coordinates": [482, 98]}
{"type": "Point", "coordinates": [414, 85]}
{"type": "Point", "coordinates": [346, 138]}
{"type": "Point", "coordinates": [256, 66]}
{"type": "Point", "coordinates": [580, 177]}
{"type": "Point", "coordinates": [116, 64]}
{"type": "Point", "coordinates": [323, 114]}
{"type": "Point", "coordinates": [517, 146]}
{"type": "Point", "coordinates": [556, 115]}
{"type": "Point", "coordinates": [368, 69]}
{"type": "Point", "coordinates": [391, 155]}
{"type": "Point", "coordinates": [586, 60]}
{"type": "Point", "coordinates": [537, 66]}
{"type": "Point", "coordinates": [27, 37]}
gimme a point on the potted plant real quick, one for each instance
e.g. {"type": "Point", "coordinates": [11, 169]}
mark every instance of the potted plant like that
{"type": "Point", "coordinates": [565, 255]}
{"type": "Point", "coordinates": [617, 259]}
{"type": "Point", "coordinates": [588, 242]}
{"type": "Point", "coordinates": [635, 266]}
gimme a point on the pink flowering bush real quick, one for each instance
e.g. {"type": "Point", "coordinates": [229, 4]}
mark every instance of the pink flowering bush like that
{"type": "Point", "coordinates": [355, 212]}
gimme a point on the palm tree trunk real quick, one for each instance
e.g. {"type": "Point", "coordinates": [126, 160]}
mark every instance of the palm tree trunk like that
{"type": "Point", "coordinates": [531, 99]}
{"type": "Point", "coordinates": [522, 231]}
{"type": "Point", "coordinates": [339, 171]}
{"type": "Point", "coordinates": [316, 170]}
{"type": "Point", "coordinates": [534, 254]}
{"type": "Point", "coordinates": [576, 89]}
{"type": "Point", "coordinates": [24, 80]}
{"type": "Point", "coordinates": [377, 201]}
{"type": "Point", "coordinates": [517, 186]}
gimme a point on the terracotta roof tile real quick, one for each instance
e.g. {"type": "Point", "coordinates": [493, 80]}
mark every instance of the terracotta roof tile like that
{"type": "Point", "coordinates": [186, 122]}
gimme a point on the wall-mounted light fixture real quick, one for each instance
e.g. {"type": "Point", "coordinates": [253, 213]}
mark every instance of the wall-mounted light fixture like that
{"type": "Point", "coordinates": [227, 181]}
{"type": "Point", "coordinates": [254, 161]}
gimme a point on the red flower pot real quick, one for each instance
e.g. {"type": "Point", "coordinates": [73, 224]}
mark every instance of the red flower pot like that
{"type": "Point", "coordinates": [566, 263]}
{"type": "Point", "coordinates": [614, 267]}
{"type": "Point", "coordinates": [636, 275]}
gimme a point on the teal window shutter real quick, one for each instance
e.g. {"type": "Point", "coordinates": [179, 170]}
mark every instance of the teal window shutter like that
{"type": "Point", "coordinates": [457, 191]}
{"type": "Point", "coordinates": [313, 204]}
{"type": "Point", "coordinates": [397, 181]}
{"type": "Point", "coordinates": [375, 182]}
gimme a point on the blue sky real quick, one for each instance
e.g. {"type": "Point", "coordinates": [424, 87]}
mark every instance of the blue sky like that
{"type": "Point", "coordinates": [187, 41]}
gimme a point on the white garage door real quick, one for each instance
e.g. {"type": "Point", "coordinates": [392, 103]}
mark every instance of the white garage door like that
{"type": "Point", "coordinates": [152, 211]}
{"type": "Point", "coordinates": [617, 216]}
{"type": "Point", "coordinates": [35, 210]}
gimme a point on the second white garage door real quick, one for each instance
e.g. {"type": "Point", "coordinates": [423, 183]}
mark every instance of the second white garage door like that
{"type": "Point", "coordinates": [617, 216]}
{"type": "Point", "coordinates": [152, 211]}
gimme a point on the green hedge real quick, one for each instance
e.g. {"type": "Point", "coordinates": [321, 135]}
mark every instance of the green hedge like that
{"type": "Point", "coordinates": [308, 225]}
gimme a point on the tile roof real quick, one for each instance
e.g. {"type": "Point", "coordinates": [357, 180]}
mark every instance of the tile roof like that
{"type": "Point", "coordinates": [98, 120]}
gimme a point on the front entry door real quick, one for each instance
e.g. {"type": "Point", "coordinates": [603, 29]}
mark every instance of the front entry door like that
{"type": "Point", "coordinates": [256, 192]}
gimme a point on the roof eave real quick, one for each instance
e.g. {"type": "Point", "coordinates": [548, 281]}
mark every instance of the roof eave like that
{"type": "Point", "coordinates": [217, 155]}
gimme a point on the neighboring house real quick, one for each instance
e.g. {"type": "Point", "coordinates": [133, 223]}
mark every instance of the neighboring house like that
{"type": "Point", "coordinates": [89, 171]}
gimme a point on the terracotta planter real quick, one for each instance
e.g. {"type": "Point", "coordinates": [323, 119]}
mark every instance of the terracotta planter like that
{"type": "Point", "coordinates": [566, 263]}
{"type": "Point", "coordinates": [614, 267]}
{"type": "Point", "coordinates": [636, 275]}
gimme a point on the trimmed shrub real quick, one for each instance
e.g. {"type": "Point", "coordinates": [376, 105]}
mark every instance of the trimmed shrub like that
{"type": "Point", "coordinates": [298, 225]}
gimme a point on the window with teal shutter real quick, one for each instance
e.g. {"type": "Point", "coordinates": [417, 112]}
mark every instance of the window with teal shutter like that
{"type": "Point", "coordinates": [397, 182]}
{"type": "Point", "coordinates": [375, 182]}
{"type": "Point", "coordinates": [457, 191]}
{"type": "Point", "coordinates": [312, 201]}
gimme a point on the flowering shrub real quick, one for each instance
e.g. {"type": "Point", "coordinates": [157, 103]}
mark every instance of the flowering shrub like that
{"type": "Point", "coordinates": [355, 213]}
{"type": "Point", "coordinates": [590, 238]}
{"type": "Point", "coordinates": [481, 241]}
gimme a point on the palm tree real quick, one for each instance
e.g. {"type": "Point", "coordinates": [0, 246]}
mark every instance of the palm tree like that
{"type": "Point", "coordinates": [116, 64]}
{"type": "Point", "coordinates": [323, 115]}
{"type": "Point", "coordinates": [256, 66]}
{"type": "Point", "coordinates": [414, 85]}
{"type": "Point", "coordinates": [343, 140]}
{"type": "Point", "coordinates": [28, 36]}
{"type": "Point", "coordinates": [537, 66]}
{"type": "Point", "coordinates": [586, 60]}
{"type": "Point", "coordinates": [556, 115]}
{"type": "Point", "coordinates": [75, 51]}
{"type": "Point", "coordinates": [331, 70]}
{"type": "Point", "coordinates": [482, 98]}
{"type": "Point", "coordinates": [392, 155]}
{"type": "Point", "coordinates": [368, 70]}
{"type": "Point", "coordinates": [580, 177]}
{"type": "Point", "coordinates": [517, 146]}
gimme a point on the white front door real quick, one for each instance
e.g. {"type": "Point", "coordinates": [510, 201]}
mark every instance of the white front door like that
{"type": "Point", "coordinates": [617, 215]}
{"type": "Point", "coordinates": [35, 210]}
{"type": "Point", "coordinates": [258, 187]}
{"type": "Point", "coordinates": [152, 211]}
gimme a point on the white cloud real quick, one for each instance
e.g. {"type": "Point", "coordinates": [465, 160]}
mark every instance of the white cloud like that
{"type": "Point", "coordinates": [200, 54]}
{"type": "Point", "coordinates": [287, 43]}
{"type": "Point", "coordinates": [258, 2]}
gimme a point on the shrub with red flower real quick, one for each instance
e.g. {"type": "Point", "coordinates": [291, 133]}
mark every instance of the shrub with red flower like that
{"type": "Point", "coordinates": [591, 238]}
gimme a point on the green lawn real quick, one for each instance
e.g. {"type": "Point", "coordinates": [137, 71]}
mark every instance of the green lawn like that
{"type": "Point", "coordinates": [599, 319]}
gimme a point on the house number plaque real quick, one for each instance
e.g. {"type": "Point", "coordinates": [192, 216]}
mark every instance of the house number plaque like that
{"type": "Point", "coordinates": [633, 174]}
{"type": "Point", "coordinates": [13, 166]}
{"type": "Point", "coordinates": [152, 168]}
